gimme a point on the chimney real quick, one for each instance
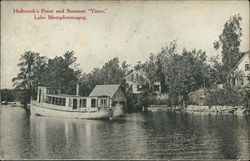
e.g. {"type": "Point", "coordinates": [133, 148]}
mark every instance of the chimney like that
{"type": "Point", "coordinates": [77, 89]}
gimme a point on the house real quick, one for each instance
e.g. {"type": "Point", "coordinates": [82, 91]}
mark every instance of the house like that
{"type": "Point", "coordinates": [110, 95]}
{"type": "Point", "coordinates": [240, 74]}
{"type": "Point", "coordinates": [137, 80]}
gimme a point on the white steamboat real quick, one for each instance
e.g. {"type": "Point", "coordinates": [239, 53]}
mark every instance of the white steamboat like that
{"type": "Point", "coordinates": [105, 101]}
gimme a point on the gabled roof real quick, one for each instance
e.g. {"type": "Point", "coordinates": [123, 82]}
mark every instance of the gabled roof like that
{"type": "Point", "coordinates": [141, 73]}
{"type": "Point", "coordinates": [105, 90]}
{"type": "Point", "coordinates": [242, 58]}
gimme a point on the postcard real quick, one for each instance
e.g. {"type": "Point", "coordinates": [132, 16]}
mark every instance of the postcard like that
{"type": "Point", "coordinates": [125, 80]}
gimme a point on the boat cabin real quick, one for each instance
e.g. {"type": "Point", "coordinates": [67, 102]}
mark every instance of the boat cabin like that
{"type": "Point", "coordinates": [53, 99]}
{"type": "Point", "coordinates": [113, 92]}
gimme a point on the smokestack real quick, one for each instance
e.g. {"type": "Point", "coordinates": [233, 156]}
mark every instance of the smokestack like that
{"type": "Point", "coordinates": [77, 89]}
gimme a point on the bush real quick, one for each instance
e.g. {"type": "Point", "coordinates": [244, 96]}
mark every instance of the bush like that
{"type": "Point", "coordinates": [136, 101]}
{"type": "Point", "coordinates": [145, 98]}
{"type": "Point", "coordinates": [226, 97]}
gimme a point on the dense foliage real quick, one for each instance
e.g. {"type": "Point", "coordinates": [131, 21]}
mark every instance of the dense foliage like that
{"type": "Point", "coordinates": [179, 73]}
{"type": "Point", "coordinates": [227, 96]}
{"type": "Point", "coordinates": [35, 70]}
{"type": "Point", "coordinates": [62, 73]}
{"type": "Point", "coordinates": [110, 73]}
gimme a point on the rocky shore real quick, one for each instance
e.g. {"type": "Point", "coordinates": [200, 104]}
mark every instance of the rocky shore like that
{"type": "Point", "coordinates": [239, 110]}
{"type": "Point", "coordinates": [153, 108]}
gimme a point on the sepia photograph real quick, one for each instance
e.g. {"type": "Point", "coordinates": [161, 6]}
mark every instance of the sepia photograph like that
{"type": "Point", "coordinates": [125, 80]}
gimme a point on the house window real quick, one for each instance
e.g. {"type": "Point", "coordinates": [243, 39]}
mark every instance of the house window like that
{"type": "Point", "coordinates": [93, 102]}
{"type": "Point", "coordinates": [247, 67]}
{"type": "Point", "coordinates": [121, 102]}
{"type": "Point", "coordinates": [104, 102]}
{"type": "Point", "coordinates": [139, 87]}
{"type": "Point", "coordinates": [132, 77]}
{"type": "Point", "coordinates": [82, 102]}
{"type": "Point", "coordinates": [137, 77]}
{"type": "Point", "coordinates": [157, 88]}
{"type": "Point", "coordinates": [234, 81]}
{"type": "Point", "coordinates": [114, 103]}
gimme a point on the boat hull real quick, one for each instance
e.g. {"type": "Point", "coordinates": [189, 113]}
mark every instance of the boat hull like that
{"type": "Point", "coordinates": [43, 111]}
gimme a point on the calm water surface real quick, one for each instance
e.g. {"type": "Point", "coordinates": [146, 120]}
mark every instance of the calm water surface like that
{"type": "Point", "coordinates": [160, 135]}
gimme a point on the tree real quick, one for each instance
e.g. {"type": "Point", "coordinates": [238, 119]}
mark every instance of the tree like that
{"type": "Point", "coordinates": [62, 73]}
{"type": "Point", "coordinates": [157, 65]}
{"type": "Point", "coordinates": [89, 80]}
{"type": "Point", "coordinates": [35, 70]}
{"type": "Point", "coordinates": [229, 40]}
{"type": "Point", "coordinates": [125, 67]}
{"type": "Point", "coordinates": [186, 73]}
{"type": "Point", "coordinates": [215, 71]}
{"type": "Point", "coordinates": [110, 73]}
{"type": "Point", "coordinates": [32, 68]}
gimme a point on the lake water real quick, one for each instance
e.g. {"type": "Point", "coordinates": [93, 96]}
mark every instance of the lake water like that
{"type": "Point", "coordinates": [159, 135]}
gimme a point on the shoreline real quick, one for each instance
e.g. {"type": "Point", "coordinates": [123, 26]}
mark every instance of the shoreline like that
{"type": "Point", "coordinates": [238, 110]}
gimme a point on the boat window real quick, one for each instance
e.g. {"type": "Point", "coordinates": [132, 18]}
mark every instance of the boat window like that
{"type": "Point", "coordinates": [93, 102]}
{"type": "Point", "coordinates": [56, 102]}
{"type": "Point", "coordinates": [74, 103]}
{"type": "Point", "coordinates": [63, 101]}
{"type": "Point", "coordinates": [60, 101]}
{"type": "Point", "coordinates": [82, 102]}
{"type": "Point", "coordinates": [53, 100]}
{"type": "Point", "coordinates": [47, 99]}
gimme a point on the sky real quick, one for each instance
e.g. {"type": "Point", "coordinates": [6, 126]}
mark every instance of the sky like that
{"type": "Point", "coordinates": [127, 30]}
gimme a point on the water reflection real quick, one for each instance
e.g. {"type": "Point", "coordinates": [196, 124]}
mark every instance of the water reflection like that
{"type": "Point", "coordinates": [161, 135]}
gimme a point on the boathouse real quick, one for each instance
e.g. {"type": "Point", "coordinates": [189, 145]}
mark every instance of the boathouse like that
{"type": "Point", "coordinates": [110, 94]}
